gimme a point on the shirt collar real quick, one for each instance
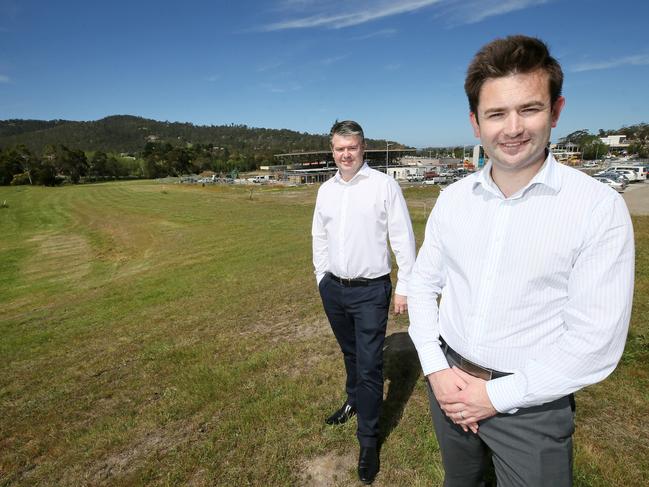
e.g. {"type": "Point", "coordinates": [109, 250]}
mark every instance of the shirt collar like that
{"type": "Point", "coordinates": [548, 176]}
{"type": "Point", "coordinates": [363, 172]}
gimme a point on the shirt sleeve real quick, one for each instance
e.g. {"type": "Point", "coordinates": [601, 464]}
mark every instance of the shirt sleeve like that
{"type": "Point", "coordinates": [402, 238]}
{"type": "Point", "coordinates": [319, 242]}
{"type": "Point", "coordinates": [596, 317]}
{"type": "Point", "coordinates": [426, 284]}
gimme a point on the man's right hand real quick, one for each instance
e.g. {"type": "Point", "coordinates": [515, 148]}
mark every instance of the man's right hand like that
{"type": "Point", "coordinates": [444, 382]}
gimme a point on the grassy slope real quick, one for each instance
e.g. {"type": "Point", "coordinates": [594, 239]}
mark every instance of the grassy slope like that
{"type": "Point", "coordinates": [169, 335]}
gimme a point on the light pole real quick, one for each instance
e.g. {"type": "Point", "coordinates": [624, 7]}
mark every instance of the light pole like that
{"type": "Point", "coordinates": [387, 156]}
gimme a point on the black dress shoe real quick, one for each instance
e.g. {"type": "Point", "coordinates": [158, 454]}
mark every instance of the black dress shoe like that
{"type": "Point", "coordinates": [342, 415]}
{"type": "Point", "coordinates": [368, 464]}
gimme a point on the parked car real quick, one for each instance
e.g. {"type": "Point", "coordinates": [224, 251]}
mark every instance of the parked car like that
{"type": "Point", "coordinates": [616, 185]}
{"type": "Point", "coordinates": [639, 171]}
{"type": "Point", "coordinates": [615, 176]}
{"type": "Point", "coordinates": [632, 176]}
{"type": "Point", "coordinates": [442, 179]}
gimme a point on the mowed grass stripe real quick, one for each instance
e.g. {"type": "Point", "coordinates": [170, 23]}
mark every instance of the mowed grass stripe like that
{"type": "Point", "coordinates": [193, 340]}
{"type": "Point", "coordinates": [183, 279]}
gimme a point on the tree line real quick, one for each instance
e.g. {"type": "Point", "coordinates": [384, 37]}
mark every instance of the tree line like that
{"type": "Point", "coordinates": [120, 146]}
{"type": "Point", "coordinates": [58, 163]}
{"type": "Point", "coordinates": [593, 148]}
{"type": "Point", "coordinates": [49, 152]}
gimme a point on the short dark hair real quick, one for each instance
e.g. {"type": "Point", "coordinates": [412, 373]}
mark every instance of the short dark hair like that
{"type": "Point", "coordinates": [346, 128]}
{"type": "Point", "coordinates": [511, 55]}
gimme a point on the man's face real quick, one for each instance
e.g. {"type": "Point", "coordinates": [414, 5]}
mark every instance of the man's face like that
{"type": "Point", "coordinates": [348, 154]}
{"type": "Point", "coordinates": [515, 118]}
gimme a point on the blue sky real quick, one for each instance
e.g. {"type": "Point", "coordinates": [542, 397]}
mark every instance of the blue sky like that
{"type": "Point", "coordinates": [396, 66]}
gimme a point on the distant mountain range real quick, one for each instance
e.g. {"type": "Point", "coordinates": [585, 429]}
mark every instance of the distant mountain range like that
{"type": "Point", "coordinates": [126, 133]}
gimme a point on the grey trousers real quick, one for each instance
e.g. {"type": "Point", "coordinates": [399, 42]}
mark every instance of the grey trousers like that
{"type": "Point", "coordinates": [531, 448]}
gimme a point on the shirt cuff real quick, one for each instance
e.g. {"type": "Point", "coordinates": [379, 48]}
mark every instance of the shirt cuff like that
{"type": "Point", "coordinates": [503, 394]}
{"type": "Point", "coordinates": [432, 359]}
{"type": "Point", "coordinates": [401, 288]}
{"type": "Point", "coordinates": [319, 276]}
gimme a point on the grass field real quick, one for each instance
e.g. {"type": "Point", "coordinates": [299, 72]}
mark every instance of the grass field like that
{"type": "Point", "coordinates": [158, 334]}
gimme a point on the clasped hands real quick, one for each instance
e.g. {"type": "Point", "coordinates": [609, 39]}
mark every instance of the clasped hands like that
{"type": "Point", "coordinates": [462, 397]}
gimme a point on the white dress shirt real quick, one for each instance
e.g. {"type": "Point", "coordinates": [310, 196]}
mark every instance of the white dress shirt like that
{"type": "Point", "coordinates": [539, 284]}
{"type": "Point", "coordinates": [351, 224]}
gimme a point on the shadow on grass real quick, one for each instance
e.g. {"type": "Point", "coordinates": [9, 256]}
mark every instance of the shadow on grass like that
{"type": "Point", "coordinates": [401, 368]}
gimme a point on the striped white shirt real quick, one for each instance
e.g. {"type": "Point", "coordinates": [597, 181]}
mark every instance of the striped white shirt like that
{"type": "Point", "coordinates": [352, 222]}
{"type": "Point", "coordinates": [539, 284]}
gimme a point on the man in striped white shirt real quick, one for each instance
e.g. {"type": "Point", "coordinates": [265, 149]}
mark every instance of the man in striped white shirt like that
{"type": "Point", "coordinates": [534, 262]}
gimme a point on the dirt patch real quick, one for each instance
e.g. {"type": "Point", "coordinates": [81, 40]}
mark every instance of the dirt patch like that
{"type": "Point", "coordinates": [328, 470]}
{"type": "Point", "coordinates": [290, 330]}
{"type": "Point", "coordinates": [151, 444]}
{"type": "Point", "coordinates": [200, 478]}
{"type": "Point", "coordinates": [303, 330]}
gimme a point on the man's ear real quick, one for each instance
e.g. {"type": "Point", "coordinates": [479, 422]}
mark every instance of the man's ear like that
{"type": "Point", "coordinates": [557, 106]}
{"type": "Point", "coordinates": [473, 118]}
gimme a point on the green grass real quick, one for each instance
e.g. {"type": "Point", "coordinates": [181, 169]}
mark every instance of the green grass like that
{"type": "Point", "coordinates": [168, 335]}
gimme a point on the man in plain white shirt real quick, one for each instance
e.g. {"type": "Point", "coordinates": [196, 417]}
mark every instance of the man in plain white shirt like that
{"type": "Point", "coordinates": [357, 212]}
{"type": "Point", "coordinates": [534, 262]}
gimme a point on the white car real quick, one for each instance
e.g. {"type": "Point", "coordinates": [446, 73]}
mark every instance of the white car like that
{"type": "Point", "coordinates": [617, 186]}
{"type": "Point", "coordinates": [614, 175]}
{"type": "Point", "coordinates": [639, 170]}
{"type": "Point", "coordinates": [627, 173]}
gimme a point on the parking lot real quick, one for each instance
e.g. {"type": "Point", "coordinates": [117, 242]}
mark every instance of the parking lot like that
{"type": "Point", "coordinates": [636, 196]}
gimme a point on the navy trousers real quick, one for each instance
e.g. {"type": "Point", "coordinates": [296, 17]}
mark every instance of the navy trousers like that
{"type": "Point", "coordinates": [358, 317]}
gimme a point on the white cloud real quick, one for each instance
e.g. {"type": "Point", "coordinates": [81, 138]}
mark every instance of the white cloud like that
{"type": "Point", "coordinates": [4, 78]}
{"type": "Point", "coordinates": [213, 77]}
{"type": "Point", "coordinates": [474, 11]}
{"type": "Point", "coordinates": [636, 60]}
{"type": "Point", "coordinates": [339, 14]}
{"type": "Point", "coordinates": [378, 33]}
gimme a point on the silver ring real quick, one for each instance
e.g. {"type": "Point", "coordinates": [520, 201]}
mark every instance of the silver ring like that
{"type": "Point", "coordinates": [462, 414]}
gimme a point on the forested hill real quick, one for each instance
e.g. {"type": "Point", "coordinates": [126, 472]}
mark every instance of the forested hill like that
{"type": "Point", "coordinates": [125, 133]}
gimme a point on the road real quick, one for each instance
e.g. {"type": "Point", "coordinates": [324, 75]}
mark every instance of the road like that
{"type": "Point", "coordinates": [636, 196]}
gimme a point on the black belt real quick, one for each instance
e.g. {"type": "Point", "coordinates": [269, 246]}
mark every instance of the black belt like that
{"type": "Point", "coordinates": [360, 281]}
{"type": "Point", "coordinates": [469, 367]}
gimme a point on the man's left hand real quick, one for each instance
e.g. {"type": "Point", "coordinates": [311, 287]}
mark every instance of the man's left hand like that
{"type": "Point", "coordinates": [400, 304]}
{"type": "Point", "coordinates": [471, 404]}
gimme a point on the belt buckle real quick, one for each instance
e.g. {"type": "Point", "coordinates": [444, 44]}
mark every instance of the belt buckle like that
{"type": "Point", "coordinates": [344, 281]}
{"type": "Point", "coordinates": [475, 370]}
